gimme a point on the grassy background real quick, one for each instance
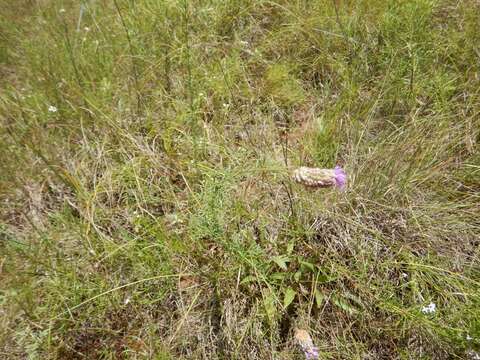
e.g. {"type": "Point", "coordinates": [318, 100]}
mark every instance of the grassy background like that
{"type": "Point", "coordinates": [153, 216]}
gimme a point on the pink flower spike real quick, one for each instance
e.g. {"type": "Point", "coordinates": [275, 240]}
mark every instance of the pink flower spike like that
{"type": "Point", "coordinates": [340, 177]}
{"type": "Point", "coordinates": [306, 343]}
{"type": "Point", "coordinates": [311, 353]}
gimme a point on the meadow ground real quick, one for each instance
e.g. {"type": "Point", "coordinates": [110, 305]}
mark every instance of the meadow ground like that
{"type": "Point", "coordinates": [147, 208]}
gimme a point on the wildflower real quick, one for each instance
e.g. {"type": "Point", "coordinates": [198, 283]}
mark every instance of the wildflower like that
{"type": "Point", "coordinates": [429, 309]}
{"type": "Point", "coordinates": [315, 177]}
{"type": "Point", "coordinates": [62, 10]}
{"type": "Point", "coordinates": [86, 28]}
{"type": "Point", "coordinates": [306, 343]}
{"type": "Point", "coordinates": [340, 177]}
{"type": "Point", "coordinates": [52, 109]}
{"type": "Point", "coordinates": [468, 338]}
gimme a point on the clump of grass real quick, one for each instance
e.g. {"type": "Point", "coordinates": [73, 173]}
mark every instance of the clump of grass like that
{"type": "Point", "coordinates": [147, 208]}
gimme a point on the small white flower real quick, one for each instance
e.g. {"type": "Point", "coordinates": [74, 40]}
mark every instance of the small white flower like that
{"type": "Point", "coordinates": [86, 28]}
{"type": "Point", "coordinates": [127, 300]}
{"type": "Point", "coordinates": [404, 275]}
{"type": "Point", "coordinates": [429, 309]}
{"type": "Point", "coordinates": [52, 109]}
{"type": "Point", "coordinates": [469, 338]}
{"type": "Point", "coordinates": [62, 10]}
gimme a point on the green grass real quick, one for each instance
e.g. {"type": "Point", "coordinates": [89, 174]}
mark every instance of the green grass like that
{"type": "Point", "coordinates": [153, 215]}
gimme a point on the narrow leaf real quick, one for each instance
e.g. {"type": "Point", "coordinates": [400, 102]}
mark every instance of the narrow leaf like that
{"type": "Point", "coordinates": [248, 279]}
{"type": "Point", "coordinates": [319, 298]}
{"type": "Point", "coordinates": [281, 261]}
{"type": "Point", "coordinates": [269, 304]}
{"type": "Point", "coordinates": [289, 296]}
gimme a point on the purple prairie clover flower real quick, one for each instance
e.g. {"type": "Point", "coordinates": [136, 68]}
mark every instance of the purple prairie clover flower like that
{"type": "Point", "coordinates": [320, 178]}
{"type": "Point", "coordinates": [311, 353]}
{"type": "Point", "coordinates": [306, 344]}
{"type": "Point", "coordinates": [340, 177]}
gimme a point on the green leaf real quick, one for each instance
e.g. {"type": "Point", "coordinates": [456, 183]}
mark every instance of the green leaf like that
{"type": "Point", "coordinates": [278, 276]}
{"type": "Point", "coordinates": [344, 305]}
{"type": "Point", "coordinates": [297, 276]}
{"type": "Point", "coordinates": [322, 278]}
{"type": "Point", "coordinates": [289, 296]}
{"type": "Point", "coordinates": [355, 299]}
{"type": "Point", "coordinates": [319, 298]}
{"type": "Point", "coordinates": [269, 304]}
{"type": "Point", "coordinates": [290, 247]}
{"type": "Point", "coordinates": [248, 279]}
{"type": "Point", "coordinates": [307, 265]}
{"type": "Point", "coordinates": [281, 261]}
